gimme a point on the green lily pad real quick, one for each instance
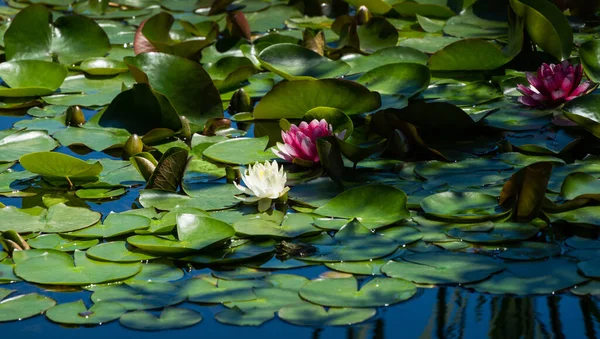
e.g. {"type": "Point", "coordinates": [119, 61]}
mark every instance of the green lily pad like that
{"type": "Point", "coordinates": [406, 79]}
{"type": "Point", "coordinates": [60, 243]}
{"type": "Point", "coordinates": [372, 205]}
{"type": "Point", "coordinates": [319, 317]}
{"type": "Point", "coordinates": [115, 224]}
{"type": "Point", "coordinates": [377, 33]}
{"type": "Point", "coordinates": [468, 54]}
{"type": "Point", "coordinates": [547, 27]}
{"type": "Point", "coordinates": [237, 317]}
{"type": "Point", "coordinates": [588, 53]}
{"type": "Point", "coordinates": [158, 271]}
{"type": "Point", "coordinates": [206, 289]}
{"type": "Point", "coordinates": [384, 56]}
{"type": "Point", "coordinates": [268, 299]}
{"type": "Point", "coordinates": [64, 271]}
{"type": "Point", "coordinates": [56, 219]}
{"type": "Point", "coordinates": [583, 111]}
{"type": "Point", "coordinates": [15, 145]}
{"type": "Point", "coordinates": [77, 313]}
{"type": "Point", "coordinates": [118, 251]}
{"type": "Point", "coordinates": [350, 244]}
{"type": "Point", "coordinates": [139, 295]}
{"type": "Point", "coordinates": [59, 165]}
{"type": "Point", "coordinates": [467, 206]}
{"type": "Point", "coordinates": [71, 38]}
{"type": "Point", "coordinates": [31, 78]}
{"type": "Point", "coordinates": [375, 293]}
{"type": "Point", "coordinates": [103, 66]}
{"type": "Point", "coordinates": [294, 62]}
{"type": "Point", "coordinates": [170, 318]}
{"type": "Point", "coordinates": [532, 277]}
{"type": "Point", "coordinates": [100, 193]}
{"type": "Point", "coordinates": [293, 225]}
{"type": "Point", "coordinates": [89, 90]}
{"type": "Point", "coordinates": [97, 139]}
{"type": "Point", "coordinates": [501, 232]}
{"type": "Point", "coordinates": [194, 233]}
{"type": "Point", "coordinates": [24, 306]}
{"type": "Point", "coordinates": [292, 99]}
{"type": "Point", "coordinates": [584, 215]}
{"type": "Point", "coordinates": [184, 83]}
{"type": "Point", "coordinates": [240, 151]}
{"type": "Point", "coordinates": [443, 268]}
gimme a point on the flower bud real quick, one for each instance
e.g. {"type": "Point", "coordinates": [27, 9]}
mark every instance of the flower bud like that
{"type": "Point", "coordinates": [240, 102]}
{"type": "Point", "coordinates": [75, 116]}
{"type": "Point", "coordinates": [363, 15]}
{"type": "Point", "coordinates": [133, 146]}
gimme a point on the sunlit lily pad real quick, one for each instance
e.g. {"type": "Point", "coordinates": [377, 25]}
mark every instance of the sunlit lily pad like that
{"type": "Point", "coordinates": [65, 271]}
{"type": "Point", "coordinates": [59, 243]}
{"type": "Point", "coordinates": [56, 219]}
{"type": "Point", "coordinates": [194, 233]}
{"type": "Point", "coordinates": [24, 306]}
{"type": "Point", "coordinates": [295, 62]}
{"type": "Point", "coordinates": [13, 146]}
{"type": "Point", "coordinates": [240, 250]}
{"type": "Point", "coordinates": [500, 232]}
{"type": "Point", "coordinates": [170, 318]}
{"type": "Point", "coordinates": [114, 225]}
{"type": "Point", "coordinates": [118, 251]}
{"type": "Point", "coordinates": [375, 293]}
{"type": "Point", "coordinates": [31, 78]}
{"type": "Point", "coordinates": [467, 206]}
{"type": "Point", "coordinates": [372, 205]}
{"type": "Point", "coordinates": [77, 313]}
{"type": "Point", "coordinates": [206, 289]}
{"type": "Point", "coordinates": [293, 225]}
{"type": "Point", "coordinates": [443, 268]}
{"type": "Point", "coordinates": [240, 151]}
{"type": "Point", "coordinates": [54, 164]}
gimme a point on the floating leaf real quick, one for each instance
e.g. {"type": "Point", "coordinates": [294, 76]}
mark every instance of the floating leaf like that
{"type": "Point", "coordinates": [319, 317]}
{"type": "Point", "coordinates": [375, 293]}
{"type": "Point", "coordinates": [293, 99]}
{"type": "Point", "coordinates": [56, 219]}
{"type": "Point", "coordinates": [59, 165]}
{"type": "Point", "coordinates": [118, 251]}
{"type": "Point", "coordinates": [443, 268]}
{"type": "Point", "coordinates": [294, 62]}
{"type": "Point", "coordinates": [82, 271]}
{"type": "Point", "coordinates": [170, 318]}
{"type": "Point", "coordinates": [31, 78]}
{"type": "Point", "coordinates": [114, 224]}
{"type": "Point", "coordinates": [77, 314]}
{"type": "Point", "coordinates": [24, 306]}
{"type": "Point", "coordinates": [240, 151]}
{"type": "Point", "coordinates": [372, 205]}
{"type": "Point", "coordinates": [15, 145]}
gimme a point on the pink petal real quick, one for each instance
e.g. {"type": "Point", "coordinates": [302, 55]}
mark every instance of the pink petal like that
{"type": "Point", "coordinates": [579, 90]}
{"type": "Point", "coordinates": [529, 101]}
{"type": "Point", "coordinates": [558, 94]}
{"type": "Point", "coordinates": [524, 90]}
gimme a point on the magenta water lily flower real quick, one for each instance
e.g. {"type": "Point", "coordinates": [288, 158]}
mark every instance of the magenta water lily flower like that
{"type": "Point", "coordinates": [300, 142]}
{"type": "Point", "coordinates": [553, 85]}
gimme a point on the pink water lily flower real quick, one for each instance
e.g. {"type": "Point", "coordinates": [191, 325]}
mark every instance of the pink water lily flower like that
{"type": "Point", "coordinates": [300, 142]}
{"type": "Point", "coordinates": [553, 85]}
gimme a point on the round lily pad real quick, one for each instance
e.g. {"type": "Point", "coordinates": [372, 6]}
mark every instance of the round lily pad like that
{"type": "Point", "coordinates": [532, 277]}
{"type": "Point", "coordinates": [207, 289]}
{"type": "Point", "coordinates": [268, 299]}
{"type": "Point", "coordinates": [15, 145]}
{"type": "Point", "coordinates": [158, 271]}
{"type": "Point", "coordinates": [375, 293]}
{"type": "Point", "coordinates": [54, 164]}
{"type": "Point", "coordinates": [24, 306]}
{"type": "Point", "coordinates": [58, 268]}
{"type": "Point", "coordinates": [57, 242]}
{"type": "Point", "coordinates": [240, 151]}
{"type": "Point", "coordinates": [169, 318]}
{"type": "Point", "coordinates": [529, 250]}
{"type": "Point", "coordinates": [459, 206]}
{"type": "Point", "coordinates": [103, 66]}
{"type": "Point", "coordinates": [140, 295]}
{"type": "Point", "coordinates": [591, 268]}
{"type": "Point", "coordinates": [118, 251]}
{"type": "Point", "coordinates": [353, 242]}
{"type": "Point", "coordinates": [56, 219]}
{"type": "Point", "coordinates": [237, 317]}
{"type": "Point", "coordinates": [114, 225]}
{"type": "Point", "coordinates": [443, 268]}
{"type": "Point", "coordinates": [230, 254]}
{"type": "Point", "coordinates": [372, 205]}
{"type": "Point", "coordinates": [314, 315]}
{"type": "Point", "coordinates": [77, 313]}
{"type": "Point", "coordinates": [501, 232]}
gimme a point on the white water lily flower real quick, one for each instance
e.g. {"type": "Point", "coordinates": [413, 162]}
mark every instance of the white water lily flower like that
{"type": "Point", "coordinates": [264, 182]}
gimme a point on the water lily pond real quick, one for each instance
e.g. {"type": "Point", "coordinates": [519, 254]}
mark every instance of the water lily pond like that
{"type": "Point", "coordinates": [307, 168]}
